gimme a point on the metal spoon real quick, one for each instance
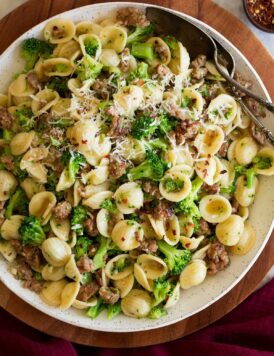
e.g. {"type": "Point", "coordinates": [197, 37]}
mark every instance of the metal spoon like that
{"type": "Point", "coordinates": [198, 42]}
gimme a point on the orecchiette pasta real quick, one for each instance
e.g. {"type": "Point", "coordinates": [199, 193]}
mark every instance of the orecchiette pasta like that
{"type": "Point", "coordinates": [215, 208]}
{"type": "Point", "coordinates": [193, 274]}
{"type": "Point", "coordinates": [137, 304]}
{"type": "Point", "coordinates": [129, 197]}
{"type": "Point", "coordinates": [127, 235]}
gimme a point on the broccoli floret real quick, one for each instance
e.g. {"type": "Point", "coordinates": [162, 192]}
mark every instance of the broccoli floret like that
{"type": "Point", "coordinates": [142, 50]}
{"type": "Point", "coordinates": [262, 162]}
{"type": "Point", "coordinates": [99, 258]}
{"type": "Point", "coordinates": [175, 259]}
{"type": "Point", "coordinates": [79, 215]}
{"type": "Point", "coordinates": [32, 49]}
{"type": "Point", "coordinates": [143, 126]}
{"type": "Point", "coordinates": [81, 247]}
{"type": "Point", "coordinates": [88, 68]}
{"type": "Point", "coordinates": [7, 136]}
{"type": "Point", "coordinates": [157, 144]}
{"type": "Point", "coordinates": [161, 288]}
{"type": "Point", "coordinates": [59, 84]}
{"type": "Point", "coordinates": [17, 171]}
{"type": "Point", "coordinates": [229, 190]}
{"type": "Point", "coordinates": [157, 312]}
{"type": "Point", "coordinates": [153, 168]}
{"type": "Point", "coordinates": [73, 161]}
{"type": "Point", "coordinates": [172, 42]}
{"type": "Point", "coordinates": [140, 73]}
{"type": "Point", "coordinates": [31, 231]}
{"type": "Point", "coordinates": [17, 203]}
{"type": "Point", "coordinates": [187, 206]}
{"type": "Point", "coordinates": [166, 124]}
{"type": "Point", "coordinates": [61, 122]}
{"type": "Point", "coordinates": [113, 310]}
{"type": "Point", "coordinates": [249, 174]}
{"type": "Point", "coordinates": [25, 118]}
{"type": "Point", "coordinates": [110, 205]}
{"type": "Point", "coordinates": [140, 34]}
{"type": "Point", "coordinates": [93, 312]}
{"type": "Point", "coordinates": [172, 184]}
{"type": "Point", "coordinates": [91, 46]}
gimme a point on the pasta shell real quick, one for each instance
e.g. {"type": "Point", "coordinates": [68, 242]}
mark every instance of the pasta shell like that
{"type": "Point", "coordinates": [50, 273]}
{"type": "Point", "coordinates": [69, 295]}
{"type": "Point", "coordinates": [72, 270]}
{"type": "Point", "coordinates": [91, 189]}
{"type": "Point", "coordinates": [10, 227]}
{"type": "Point", "coordinates": [56, 251]}
{"type": "Point", "coordinates": [113, 272]}
{"type": "Point", "coordinates": [84, 27]}
{"type": "Point", "coordinates": [21, 142]}
{"type": "Point", "coordinates": [65, 182]}
{"type": "Point", "coordinates": [186, 225]}
{"type": "Point", "coordinates": [3, 100]}
{"type": "Point", "coordinates": [246, 242]}
{"type": "Point", "coordinates": [7, 250]}
{"type": "Point", "coordinates": [98, 175]}
{"type": "Point", "coordinates": [174, 297]}
{"type": "Point", "coordinates": [177, 194]}
{"type": "Point", "coordinates": [229, 231]}
{"type": "Point", "coordinates": [222, 110]}
{"type": "Point", "coordinates": [245, 196]}
{"type": "Point", "coordinates": [31, 187]}
{"type": "Point", "coordinates": [161, 49]}
{"type": "Point", "coordinates": [8, 185]}
{"type": "Point", "coordinates": [201, 253]}
{"type": "Point", "coordinates": [124, 285]}
{"type": "Point", "coordinates": [41, 205]}
{"type": "Point", "coordinates": [34, 155]}
{"type": "Point", "coordinates": [113, 37]}
{"type": "Point", "coordinates": [209, 142]}
{"type": "Point", "coordinates": [193, 274]}
{"type": "Point", "coordinates": [77, 191]}
{"type": "Point", "coordinates": [191, 243]}
{"type": "Point", "coordinates": [59, 30]}
{"type": "Point", "coordinates": [35, 170]}
{"type": "Point", "coordinates": [69, 50]}
{"type": "Point", "coordinates": [20, 87]}
{"type": "Point", "coordinates": [78, 304]}
{"type": "Point", "coordinates": [196, 101]}
{"type": "Point", "coordinates": [141, 278]}
{"type": "Point", "coordinates": [228, 174]}
{"type": "Point", "coordinates": [43, 101]}
{"type": "Point", "coordinates": [109, 58]}
{"type": "Point", "coordinates": [128, 99]}
{"type": "Point", "coordinates": [172, 231]}
{"type": "Point", "coordinates": [154, 267]}
{"type": "Point", "coordinates": [245, 150]}
{"type": "Point", "coordinates": [61, 67]}
{"type": "Point", "coordinates": [209, 169]}
{"type": "Point", "coordinates": [180, 60]}
{"type": "Point", "coordinates": [127, 234]}
{"type": "Point", "coordinates": [267, 153]}
{"type": "Point", "coordinates": [129, 197]}
{"type": "Point", "coordinates": [137, 304]}
{"type": "Point", "coordinates": [90, 39]}
{"type": "Point", "coordinates": [106, 221]}
{"type": "Point", "coordinates": [52, 291]}
{"type": "Point", "coordinates": [215, 208]}
{"type": "Point", "coordinates": [60, 228]}
{"type": "Point", "coordinates": [96, 200]}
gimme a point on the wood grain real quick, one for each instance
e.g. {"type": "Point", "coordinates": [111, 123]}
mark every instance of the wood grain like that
{"type": "Point", "coordinates": [36, 11]}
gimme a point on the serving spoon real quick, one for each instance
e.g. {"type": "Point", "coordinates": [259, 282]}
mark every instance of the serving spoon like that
{"type": "Point", "coordinates": [198, 42]}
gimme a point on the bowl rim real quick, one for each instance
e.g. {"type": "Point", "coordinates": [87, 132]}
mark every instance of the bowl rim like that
{"type": "Point", "coordinates": [41, 306]}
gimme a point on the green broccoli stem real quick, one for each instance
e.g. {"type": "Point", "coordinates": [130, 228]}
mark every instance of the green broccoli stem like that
{"type": "Point", "coordinates": [142, 50]}
{"type": "Point", "coordinates": [94, 311]}
{"type": "Point", "coordinates": [7, 136]}
{"type": "Point", "coordinates": [196, 186]}
{"type": "Point", "coordinates": [17, 199]}
{"type": "Point", "coordinates": [99, 258]}
{"type": "Point", "coordinates": [157, 312]}
{"type": "Point", "coordinates": [113, 310]}
{"type": "Point", "coordinates": [250, 175]}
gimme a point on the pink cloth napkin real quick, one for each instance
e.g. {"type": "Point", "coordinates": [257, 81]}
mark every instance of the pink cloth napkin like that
{"type": "Point", "coordinates": [247, 330]}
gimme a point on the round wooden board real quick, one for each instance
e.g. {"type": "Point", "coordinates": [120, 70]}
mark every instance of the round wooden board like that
{"type": "Point", "coordinates": [35, 11]}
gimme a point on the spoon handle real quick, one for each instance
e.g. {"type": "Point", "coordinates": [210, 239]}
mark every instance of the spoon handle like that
{"type": "Point", "coordinates": [267, 104]}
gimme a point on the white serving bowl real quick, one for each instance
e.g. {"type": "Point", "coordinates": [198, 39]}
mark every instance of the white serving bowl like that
{"type": "Point", "coordinates": [195, 299]}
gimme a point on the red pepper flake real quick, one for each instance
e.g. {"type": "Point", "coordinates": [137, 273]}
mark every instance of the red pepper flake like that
{"type": "Point", "coordinates": [124, 200]}
{"type": "Point", "coordinates": [84, 142]}
{"type": "Point", "coordinates": [262, 12]}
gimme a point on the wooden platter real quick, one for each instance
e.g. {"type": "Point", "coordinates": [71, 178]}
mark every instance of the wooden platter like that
{"type": "Point", "coordinates": [35, 11]}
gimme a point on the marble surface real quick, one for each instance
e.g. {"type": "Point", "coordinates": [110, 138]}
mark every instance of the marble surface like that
{"type": "Point", "coordinates": [234, 6]}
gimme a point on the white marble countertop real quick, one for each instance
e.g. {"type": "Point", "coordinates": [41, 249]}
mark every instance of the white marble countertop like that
{"type": "Point", "coordinates": [234, 6]}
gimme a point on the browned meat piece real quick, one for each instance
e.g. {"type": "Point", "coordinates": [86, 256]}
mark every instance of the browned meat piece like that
{"type": "Point", "coordinates": [216, 258]}
{"type": "Point", "coordinates": [117, 128]}
{"type": "Point", "coordinates": [223, 149]}
{"type": "Point", "coordinates": [132, 17]}
{"type": "Point", "coordinates": [23, 270]}
{"type": "Point", "coordinates": [124, 64]}
{"type": "Point", "coordinates": [92, 249]}
{"type": "Point", "coordinates": [33, 256]}
{"type": "Point", "coordinates": [235, 206]}
{"type": "Point", "coordinates": [186, 131]}
{"type": "Point", "coordinates": [98, 277]}
{"type": "Point", "coordinates": [34, 285]}
{"type": "Point", "coordinates": [210, 189]}
{"type": "Point", "coordinates": [162, 70]}
{"type": "Point", "coordinates": [87, 291]}
{"type": "Point", "coordinates": [6, 120]}
{"type": "Point", "coordinates": [204, 228]}
{"type": "Point", "coordinates": [148, 246]}
{"type": "Point", "coordinates": [152, 189]}
{"type": "Point", "coordinates": [33, 80]}
{"type": "Point", "coordinates": [90, 226]}
{"type": "Point", "coordinates": [7, 162]}
{"type": "Point", "coordinates": [175, 111]}
{"type": "Point", "coordinates": [17, 246]}
{"type": "Point", "coordinates": [161, 51]}
{"type": "Point", "coordinates": [62, 210]}
{"type": "Point", "coordinates": [257, 134]}
{"type": "Point", "coordinates": [199, 70]}
{"type": "Point", "coordinates": [245, 83]}
{"type": "Point", "coordinates": [254, 107]}
{"type": "Point", "coordinates": [163, 210]}
{"type": "Point", "coordinates": [2, 212]}
{"type": "Point", "coordinates": [116, 167]}
{"type": "Point", "coordinates": [113, 219]}
{"type": "Point", "coordinates": [53, 160]}
{"type": "Point", "coordinates": [58, 32]}
{"type": "Point", "coordinates": [102, 89]}
{"type": "Point", "coordinates": [109, 295]}
{"type": "Point", "coordinates": [84, 264]}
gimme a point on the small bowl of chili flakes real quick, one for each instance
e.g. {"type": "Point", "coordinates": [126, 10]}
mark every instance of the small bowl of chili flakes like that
{"type": "Point", "coordinates": [261, 13]}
